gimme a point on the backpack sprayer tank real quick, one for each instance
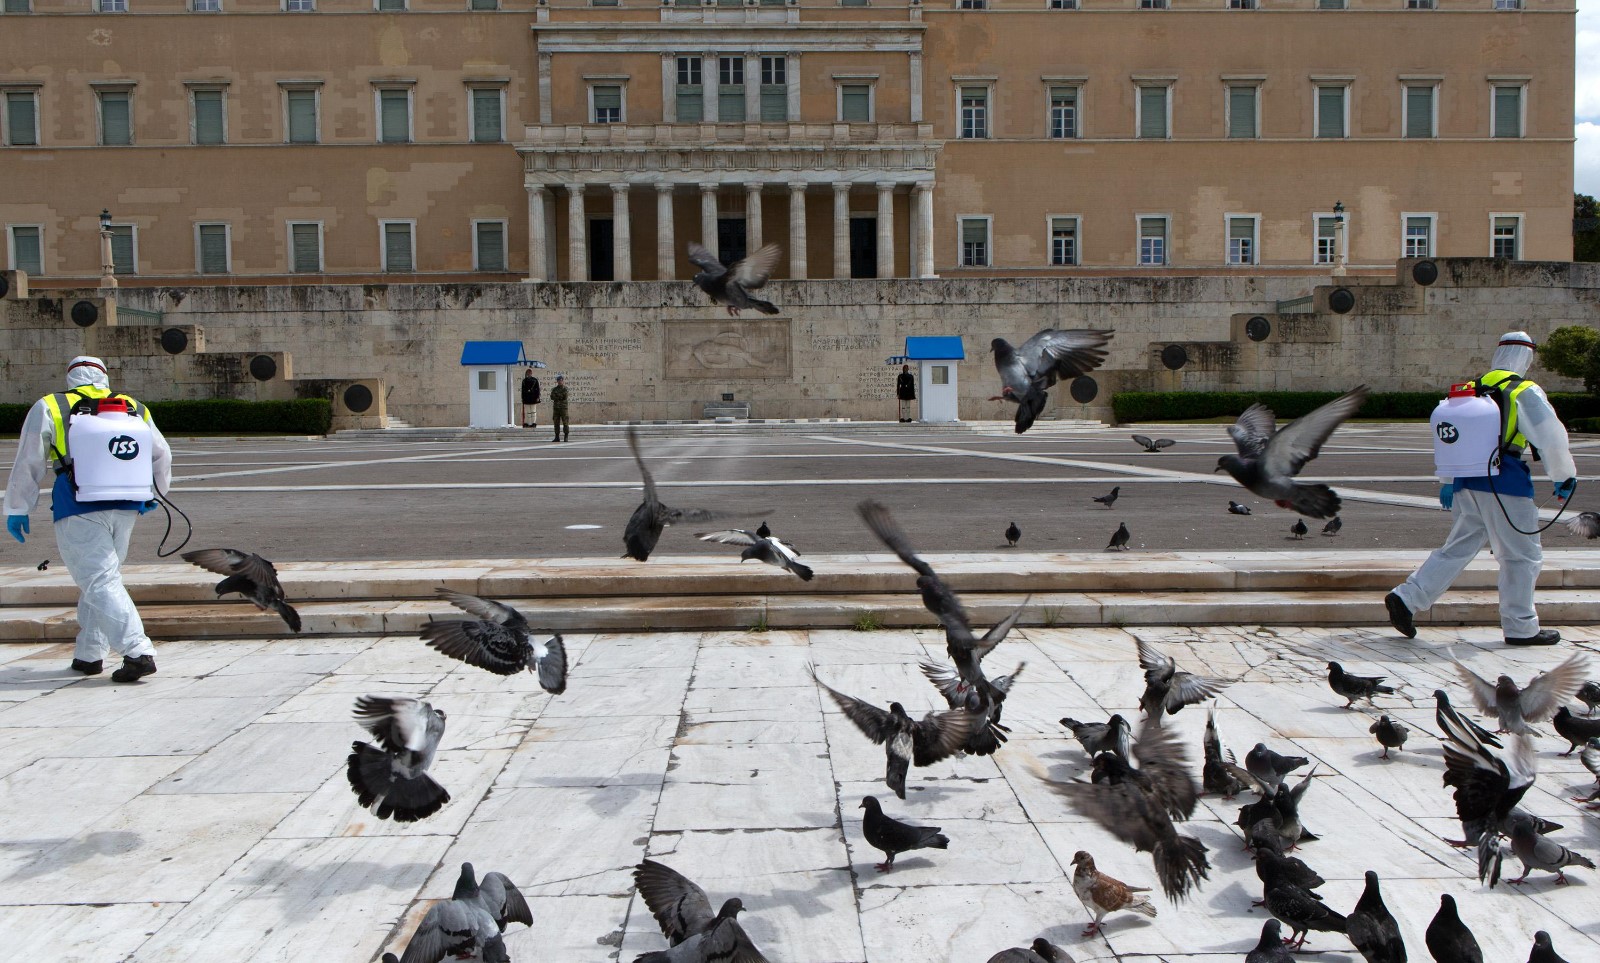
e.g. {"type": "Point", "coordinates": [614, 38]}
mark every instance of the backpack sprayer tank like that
{"type": "Point", "coordinates": [110, 451]}
{"type": "Point", "coordinates": [1466, 434]}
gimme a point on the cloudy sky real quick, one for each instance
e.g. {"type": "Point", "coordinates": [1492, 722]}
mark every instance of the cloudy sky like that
{"type": "Point", "coordinates": [1587, 173]}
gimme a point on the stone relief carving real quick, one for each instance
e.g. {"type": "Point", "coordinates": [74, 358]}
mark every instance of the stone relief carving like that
{"type": "Point", "coordinates": [727, 350]}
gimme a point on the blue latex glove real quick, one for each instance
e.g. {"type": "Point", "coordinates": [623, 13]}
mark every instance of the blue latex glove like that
{"type": "Point", "coordinates": [1447, 495]}
{"type": "Point", "coordinates": [1565, 489]}
{"type": "Point", "coordinates": [17, 525]}
{"type": "Point", "coordinates": [149, 506]}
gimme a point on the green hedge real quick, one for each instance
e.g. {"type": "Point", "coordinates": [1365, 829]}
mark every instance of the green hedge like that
{"type": "Point", "coordinates": [1587, 425]}
{"type": "Point", "coordinates": [303, 416]}
{"type": "Point", "coordinates": [1134, 406]}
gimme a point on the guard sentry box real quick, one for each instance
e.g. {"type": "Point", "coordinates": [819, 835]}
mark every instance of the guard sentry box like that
{"type": "Point", "coordinates": [1466, 435]}
{"type": "Point", "coordinates": [110, 453]}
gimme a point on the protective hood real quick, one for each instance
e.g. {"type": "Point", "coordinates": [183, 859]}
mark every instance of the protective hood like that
{"type": "Point", "coordinates": [87, 370]}
{"type": "Point", "coordinates": [1514, 353]}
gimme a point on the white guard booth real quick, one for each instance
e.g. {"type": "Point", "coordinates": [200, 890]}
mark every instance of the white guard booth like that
{"type": "Point", "coordinates": [937, 390]}
{"type": "Point", "coordinates": [494, 384]}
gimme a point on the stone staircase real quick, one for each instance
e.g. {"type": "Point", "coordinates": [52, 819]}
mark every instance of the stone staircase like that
{"type": "Point", "coordinates": [704, 593]}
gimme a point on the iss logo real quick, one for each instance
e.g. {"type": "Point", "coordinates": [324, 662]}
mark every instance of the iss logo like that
{"type": "Point", "coordinates": [1447, 432]}
{"type": "Point", "coordinates": [123, 448]}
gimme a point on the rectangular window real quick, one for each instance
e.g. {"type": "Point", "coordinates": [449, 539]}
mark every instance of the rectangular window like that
{"type": "Point", "coordinates": [1327, 240]}
{"type": "Point", "coordinates": [301, 106]}
{"type": "Point", "coordinates": [210, 117]}
{"type": "Point", "coordinates": [971, 4]}
{"type": "Point", "coordinates": [774, 90]}
{"type": "Point", "coordinates": [607, 103]}
{"type": "Point", "coordinates": [690, 91]}
{"type": "Point", "coordinates": [398, 246]}
{"type": "Point", "coordinates": [1063, 4]}
{"type": "Point", "coordinates": [939, 374]}
{"type": "Point", "coordinates": [483, 4]}
{"type": "Point", "coordinates": [1064, 112]}
{"type": "Point", "coordinates": [1508, 4]}
{"type": "Point", "coordinates": [1241, 240]}
{"type": "Point", "coordinates": [1419, 110]}
{"type": "Point", "coordinates": [974, 242]}
{"type": "Point", "coordinates": [855, 103]}
{"type": "Point", "coordinates": [487, 103]}
{"type": "Point", "coordinates": [486, 380]}
{"type": "Point", "coordinates": [1503, 242]}
{"type": "Point", "coordinates": [1330, 4]}
{"type": "Point", "coordinates": [116, 118]}
{"type": "Point", "coordinates": [1418, 236]}
{"type": "Point", "coordinates": [1330, 110]}
{"type": "Point", "coordinates": [1242, 111]}
{"type": "Point", "coordinates": [305, 247]}
{"type": "Point", "coordinates": [17, 6]}
{"type": "Point", "coordinates": [730, 90]}
{"type": "Point", "coordinates": [1419, 4]}
{"type": "Point", "coordinates": [27, 249]}
{"type": "Point", "coordinates": [22, 118]}
{"type": "Point", "coordinates": [111, 6]}
{"type": "Point", "coordinates": [852, 3]}
{"type": "Point", "coordinates": [489, 245]}
{"type": "Point", "coordinates": [300, 6]}
{"type": "Point", "coordinates": [603, 3]}
{"type": "Point", "coordinates": [211, 243]}
{"type": "Point", "coordinates": [1152, 4]}
{"type": "Point", "coordinates": [1241, 4]}
{"type": "Point", "coordinates": [207, 6]}
{"type": "Point", "coordinates": [1508, 110]}
{"type": "Point", "coordinates": [1063, 240]}
{"type": "Point", "coordinates": [974, 112]}
{"type": "Point", "coordinates": [394, 115]}
{"type": "Point", "coordinates": [124, 249]}
{"type": "Point", "coordinates": [391, 6]}
{"type": "Point", "coordinates": [1152, 240]}
{"type": "Point", "coordinates": [1153, 112]}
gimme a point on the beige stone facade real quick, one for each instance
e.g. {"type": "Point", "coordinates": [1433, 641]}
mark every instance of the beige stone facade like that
{"type": "Point", "coordinates": [335, 141]}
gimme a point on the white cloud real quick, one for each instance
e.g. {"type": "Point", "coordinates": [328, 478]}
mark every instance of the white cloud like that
{"type": "Point", "coordinates": [1586, 167]}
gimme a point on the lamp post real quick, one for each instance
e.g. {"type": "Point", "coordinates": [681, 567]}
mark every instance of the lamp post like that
{"type": "Point", "coordinates": [1338, 239]}
{"type": "Point", "coordinates": [108, 264]}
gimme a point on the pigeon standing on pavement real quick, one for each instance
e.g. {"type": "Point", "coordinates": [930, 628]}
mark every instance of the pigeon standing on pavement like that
{"type": "Point", "coordinates": [1373, 929]}
{"type": "Point", "coordinates": [1029, 370]}
{"type": "Point", "coordinates": [1303, 912]}
{"type": "Point", "coordinates": [1269, 767]}
{"type": "Point", "coordinates": [1274, 868]}
{"type": "Point", "coordinates": [894, 837]}
{"type": "Point", "coordinates": [1333, 526]}
{"type": "Point", "coordinates": [1586, 524]}
{"type": "Point", "coordinates": [42, 566]}
{"type": "Point", "coordinates": [1167, 689]}
{"type": "Point", "coordinates": [1042, 951]}
{"type": "Point", "coordinates": [1097, 737]}
{"type": "Point", "coordinates": [248, 574]}
{"type": "Point", "coordinates": [1110, 498]}
{"type": "Point", "coordinates": [1299, 529]}
{"type": "Point", "coordinates": [1589, 695]}
{"type": "Point", "coordinates": [1215, 775]}
{"type": "Point", "coordinates": [1575, 730]}
{"type": "Point", "coordinates": [1234, 508]}
{"type": "Point", "coordinates": [1391, 734]}
{"type": "Point", "coordinates": [500, 640]}
{"type": "Point", "coordinates": [730, 285]}
{"type": "Point", "coordinates": [1155, 445]}
{"type": "Point", "coordinates": [1102, 894]}
{"type": "Point", "coordinates": [1516, 708]}
{"type": "Point", "coordinates": [461, 925]}
{"type": "Point", "coordinates": [391, 779]}
{"type": "Point", "coordinates": [1591, 761]}
{"type": "Point", "coordinates": [1543, 950]}
{"type": "Point", "coordinates": [1538, 852]}
{"type": "Point", "coordinates": [1287, 801]}
{"type": "Point", "coordinates": [763, 531]}
{"type": "Point", "coordinates": [1119, 538]}
{"type": "Point", "coordinates": [1271, 948]}
{"type": "Point", "coordinates": [762, 548]}
{"type": "Point", "coordinates": [1353, 687]}
{"type": "Point", "coordinates": [683, 911]}
{"type": "Point", "coordinates": [1448, 939]}
{"type": "Point", "coordinates": [1013, 535]}
{"type": "Point", "coordinates": [906, 742]}
{"type": "Point", "coordinates": [1269, 457]}
{"type": "Point", "coordinates": [651, 518]}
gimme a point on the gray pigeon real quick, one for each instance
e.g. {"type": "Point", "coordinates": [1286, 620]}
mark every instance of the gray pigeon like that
{"type": "Point", "coordinates": [1586, 524]}
{"type": "Point", "coordinates": [393, 780]}
{"type": "Point", "coordinates": [1589, 695]}
{"type": "Point", "coordinates": [1013, 535]}
{"type": "Point", "coordinates": [1287, 802]}
{"type": "Point", "coordinates": [1487, 790]}
{"type": "Point", "coordinates": [893, 837]}
{"type": "Point", "coordinates": [986, 735]}
{"type": "Point", "coordinates": [1575, 730]}
{"type": "Point", "coordinates": [730, 285]}
{"type": "Point", "coordinates": [906, 741]}
{"type": "Point", "coordinates": [1591, 761]}
{"type": "Point", "coordinates": [1299, 529]}
{"type": "Point", "coordinates": [1353, 687]}
{"type": "Point", "coordinates": [1391, 734]}
{"type": "Point", "coordinates": [1027, 372]}
{"type": "Point", "coordinates": [1271, 948]}
{"type": "Point", "coordinates": [762, 549]}
{"type": "Point", "coordinates": [248, 574]}
{"type": "Point", "coordinates": [1372, 928]}
{"type": "Point", "coordinates": [1216, 776]}
{"type": "Point", "coordinates": [501, 898]}
{"type": "Point", "coordinates": [1110, 498]}
{"type": "Point", "coordinates": [1269, 457]}
{"type": "Point", "coordinates": [1515, 707]}
{"type": "Point", "coordinates": [1097, 737]}
{"type": "Point", "coordinates": [1234, 508]}
{"type": "Point", "coordinates": [1303, 912]}
{"type": "Point", "coordinates": [1269, 767]}
{"type": "Point", "coordinates": [651, 518]}
{"type": "Point", "coordinates": [1155, 445]}
{"type": "Point", "coordinates": [458, 925]}
{"type": "Point", "coordinates": [1538, 852]}
{"type": "Point", "coordinates": [1543, 950]}
{"type": "Point", "coordinates": [499, 641]}
{"type": "Point", "coordinates": [1042, 951]}
{"type": "Point", "coordinates": [1119, 538]}
{"type": "Point", "coordinates": [683, 911]}
{"type": "Point", "coordinates": [1334, 524]}
{"type": "Point", "coordinates": [1448, 939]}
{"type": "Point", "coordinates": [1166, 688]}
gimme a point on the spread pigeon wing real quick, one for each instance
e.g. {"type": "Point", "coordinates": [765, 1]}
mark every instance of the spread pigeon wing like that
{"type": "Point", "coordinates": [1482, 690]}
{"type": "Point", "coordinates": [998, 633]}
{"type": "Point", "coordinates": [231, 561]}
{"type": "Point", "coordinates": [485, 646]}
{"type": "Point", "coordinates": [679, 906]}
{"type": "Point", "coordinates": [1551, 690]}
{"type": "Point", "coordinates": [754, 270]}
{"type": "Point", "coordinates": [1165, 442]}
{"type": "Point", "coordinates": [649, 480]}
{"type": "Point", "coordinates": [1299, 441]}
{"type": "Point", "coordinates": [1055, 354]}
{"type": "Point", "coordinates": [446, 927]}
{"type": "Point", "coordinates": [730, 537]}
{"type": "Point", "coordinates": [1252, 430]}
{"type": "Point", "coordinates": [1162, 757]}
{"type": "Point", "coordinates": [399, 725]}
{"type": "Point", "coordinates": [889, 532]}
{"type": "Point", "coordinates": [939, 735]}
{"type": "Point", "coordinates": [486, 609]}
{"type": "Point", "coordinates": [705, 260]}
{"type": "Point", "coordinates": [504, 901]}
{"type": "Point", "coordinates": [945, 679]}
{"type": "Point", "coordinates": [728, 941]}
{"type": "Point", "coordinates": [1188, 689]}
{"type": "Point", "coordinates": [1586, 524]}
{"type": "Point", "coordinates": [1146, 442]}
{"type": "Point", "coordinates": [875, 723]}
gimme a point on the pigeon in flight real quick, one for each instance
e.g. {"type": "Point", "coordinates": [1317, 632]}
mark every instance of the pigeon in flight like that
{"type": "Point", "coordinates": [683, 911]}
{"type": "Point", "coordinates": [1448, 939]}
{"type": "Point", "coordinates": [1586, 524]}
{"type": "Point", "coordinates": [1234, 508]}
{"type": "Point", "coordinates": [1097, 737]}
{"type": "Point", "coordinates": [762, 548]}
{"type": "Point", "coordinates": [1447, 717]}
{"type": "Point", "coordinates": [1353, 687]}
{"type": "Point", "coordinates": [651, 517]}
{"type": "Point", "coordinates": [1299, 529]}
{"type": "Point", "coordinates": [907, 742]}
{"type": "Point", "coordinates": [894, 837]}
{"type": "Point", "coordinates": [1487, 790]}
{"type": "Point", "coordinates": [1119, 538]}
{"type": "Point", "coordinates": [1102, 894]}
{"type": "Point", "coordinates": [1537, 852]}
{"type": "Point", "coordinates": [1168, 689]}
{"type": "Point", "coordinates": [464, 923]}
{"type": "Point", "coordinates": [1217, 774]}
{"type": "Point", "coordinates": [1042, 951]}
{"type": "Point", "coordinates": [982, 702]}
{"type": "Point", "coordinates": [1515, 707]}
{"type": "Point", "coordinates": [1372, 928]}
{"type": "Point", "coordinates": [1334, 524]}
{"type": "Point", "coordinates": [1109, 498]}
{"type": "Point", "coordinates": [730, 285]}
{"type": "Point", "coordinates": [248, 574]}
{"type": "Point", "coordinates": [1391, 734]}
{"type": "Point", "coordinates": [1543, 950]}
{"type": "Point", "coordinates": [1575, 730]}
{"type": "Point", "coordinates": [498, 640]}
{"type": "Point", "coordinates": [1155, 445]}
{"type": "Point", "coordinates": [1013, 535]}
{"type": "Point", "coordinates": [391, 779]}
{"type": "Point", "coordinates": [1269, 457]}
{"type": "Point", "coordinates": [1027, 372]}
{"type": "Point", "coordinates": [1272, 947]}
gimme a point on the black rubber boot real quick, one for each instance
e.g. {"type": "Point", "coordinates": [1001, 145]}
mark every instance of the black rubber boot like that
{"type": "Point", "coordinates": [134, 669]}
{"type": "Point", "coordinates": [1545, 637]}
{"type": "Point", "coordinates": [1400, 616]}
{"type": "Point", "coordinates": [88, 668]}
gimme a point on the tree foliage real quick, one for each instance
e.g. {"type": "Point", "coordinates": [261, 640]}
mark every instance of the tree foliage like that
{"type": "Point", "coordinates": [1574, 351]}
{"type": "Point", "coordinates": [1585, 228]}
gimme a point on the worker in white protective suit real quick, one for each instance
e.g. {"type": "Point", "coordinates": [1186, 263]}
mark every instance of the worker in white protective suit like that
{"type": "Point", "coordinates": [92, 536]}
{"type": "Point", "coordinates": [1499, 510]}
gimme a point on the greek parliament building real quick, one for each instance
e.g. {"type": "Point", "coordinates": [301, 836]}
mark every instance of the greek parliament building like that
{"type": "Point", "coordinates": [334, 141]}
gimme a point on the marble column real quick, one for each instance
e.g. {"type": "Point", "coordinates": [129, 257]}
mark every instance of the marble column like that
{"type": "Point", "coordinates": [708, 216]}
{"type": "Point", "coordinates": [924, 251]}
{"type": "Point", "coordinates": [797, 230]}
{"type": "Point", "coordinates": [666, 247]}
{"type": "Point", "coordinates": [577, 235]}
{"type": "Point", "coordinates": [841, 230]}
{"type": "Point", "coordinates": [621, 234]}
{"type": "Point", "coordinates": [537, 241]}
{"type": "Point", "coordinates": [885, 229]}
{"type": "Point", "coordinates": [752, 216]}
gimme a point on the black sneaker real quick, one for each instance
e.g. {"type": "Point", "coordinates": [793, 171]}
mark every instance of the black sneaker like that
{"type": "Point", "coordinates": [1400, 616]}
{"type": "Point", "coordinates": [134, 669]}
{"type": "Point", "coordinates": [88, 668]}
{"type": "Point", "coordinates": [1545, 637]}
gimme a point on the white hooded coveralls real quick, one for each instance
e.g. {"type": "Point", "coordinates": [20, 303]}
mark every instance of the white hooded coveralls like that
{"type": "Point", "coordinates": [92, 545]}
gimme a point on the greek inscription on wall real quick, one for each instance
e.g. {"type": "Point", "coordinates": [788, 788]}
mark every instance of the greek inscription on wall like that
{"type": "Point", "coordinates": [848, 342]}
{"type": "Point", "coordinates": [876, 383]}
{"type": "Point", "coordinates": [582, 388]}
{"type": "Point", "coordinates": [730, 350]}
{"type": "Point", "coordinates": [606, 348]}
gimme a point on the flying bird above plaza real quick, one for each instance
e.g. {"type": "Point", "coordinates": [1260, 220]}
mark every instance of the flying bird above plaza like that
{"type": "Point", "coordinates": [1028, 371]}
{"type": "Point", "coordinates": [248, 574]}
{"type": "Point", "coordinates": [1269, 457]}
{"type": "Point", "coordinates": [730, 284]}
{"type": "Point", "coordinates": [498, 640]}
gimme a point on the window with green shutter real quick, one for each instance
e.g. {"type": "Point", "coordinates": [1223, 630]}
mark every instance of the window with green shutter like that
{"type": "Point", "coordinates": [974, 242]}
{"type": "Point", "coordinates": [302, 108]}
{"type": "Point", "coordinates": [116, 118]}
{"type": "Point", "coordinates": [22, 119]}
{"type": "Point", "coordinates": [483, 5]}
{"type": "Point", "coordinates": [213, 248]}
{"type": "Point", "coordinates": [730, 90]}
{"type": "Point", "coordinates": [397, 246]}
{"type": "Point", "coordinates": [391, 6]}
{"type": "Point", "coordinates": [1064, 112]}
{"type": "Point", "coordinates": [486, 126]}
{"type": "Point", "coordinates": [27, 251]}
{"type": "Point", "coordinates": [1508, 111]}
{"type": "Point", "coordinates": [122, 249]}
{"type": "Point", "coordinates": [18, 6]}
{"type": "Point", "coordinates": [305, 241]}
{"type": "Point", "coordinates": [1419, 111]}
{"type": "Point", "coordinates": [1153, 112]}
{"type": "Point", "coordinates": [690, 90]}
{"type": "Point", "coordinates": [209, 120]}
{"type": "Point", "coordinates": [774, 89]}
{"type": "Point", "coordinates": [491, 246]}
{"type": "Point", "coordinates": [1242, 111]}
{"type": "Point", "coordinates": [855, 103]}
{"type": "Point", "coordinates": [1152, 240]}
{"type": "Point", "coordinates": [607, 103]}
{"type": "Point", "coordinates": [394, 116]}
{"type": "Point", "coordinates": [1241, 240]}
{"type": "Point", "coordinates": [1330, 112]}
